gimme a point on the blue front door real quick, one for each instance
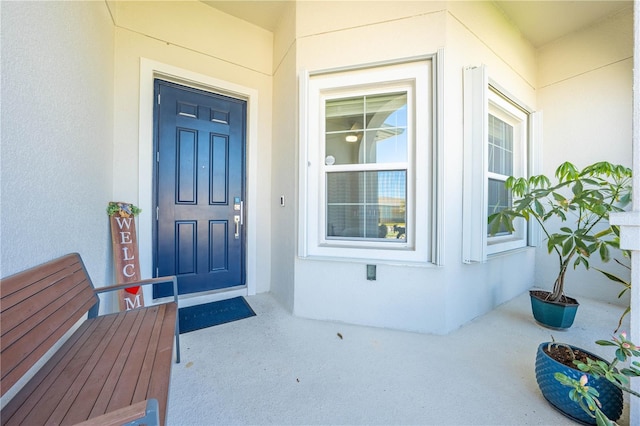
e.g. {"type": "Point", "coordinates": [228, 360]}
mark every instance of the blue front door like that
{"type": "Point", "coordinates": [199, 189]}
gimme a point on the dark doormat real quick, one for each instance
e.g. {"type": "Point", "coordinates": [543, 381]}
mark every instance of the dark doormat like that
{"type": "Point", "coordinates": [209, 314]}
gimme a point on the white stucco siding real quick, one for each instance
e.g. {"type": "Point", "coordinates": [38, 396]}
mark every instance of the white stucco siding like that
{"type": "Point", "coordinates": [600, 45]}
{"type": "Point", "coordinates": [586, 95]}
{"type": "Point", "coordinates": [57, 133]}
{"type": "Point", "coordinates": [422, 298]}
{"type": "Point", "coordinates": [496, 42]}
{"type": "Point", "coordinates": [384, 41]}
{"type": "Point", "coordinates": [201, 29]}
{"type": "Point", "coordinates": [284, 180]}
{"type": "Point", "coordinates": [210, 46]}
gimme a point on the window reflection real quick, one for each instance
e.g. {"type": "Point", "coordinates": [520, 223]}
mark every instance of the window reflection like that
{"type": "Point", "coordinates": [370, 204]}
{"type": "Point", "coordinates": [367, 129]}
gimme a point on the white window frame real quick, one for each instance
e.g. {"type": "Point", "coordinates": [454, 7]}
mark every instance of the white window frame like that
{"type": "Point", "coordinates": [409, 241]}
{"type": "Point", "coordinates": [315, 88]}
{"type": "Point", "coordinates": [502, 108]}
{"type": "Point", "coordinates": [480, 98]}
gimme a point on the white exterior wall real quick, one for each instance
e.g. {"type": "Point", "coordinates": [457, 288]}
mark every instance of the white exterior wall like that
{"type": "Point", "coordinates": [210, 48]}
{"type": "Point", "coordinates": [284, 160]}
{"type": "Point", "coordinates": [57, 133]}
{"type": "Point", "coordinates": [421, 298]}
{"type": "Point", "coordinates": [585, 92]}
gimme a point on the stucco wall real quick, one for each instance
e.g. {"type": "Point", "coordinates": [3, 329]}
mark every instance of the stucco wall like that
{"type": "Point", "coordinates": [421, 298]}
{"type": "Point", "coordinates": [204, 42]}
{"type": "Point", "coordinates": [57, 133]}
{"type": "Point", "coordinates": [284, 160]}
{"type": "Point", "coordinates": [585, 92]}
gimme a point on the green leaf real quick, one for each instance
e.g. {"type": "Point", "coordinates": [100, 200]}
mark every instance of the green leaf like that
{"type": "Point", "coordinates": [630, 372]}
{"type": "Point", "coordinates": [605, 343]}
{"type": "Point", "coordinates": [612, 277]}
{"type": "Point", "coordinates": [590, 181]}
{"type": "Point", "coordinates": [563, 379]}
{"type": "Point", "coordinates": [583, 367]}
{"type": "Point", "coordinates": [538, 207]}
{"type": "Point", "coordinates": [604, 232]}
{"type": "Point", "coordinates": [580, 260]}
{"type": "Point", "coordinates": [567, 246]}
{"type": "Point", "coordinates": [577, 188]}
{"type": "Point", "coordinates": [559, 198]}
{"type": "Point", "coordinates": [602, 419]}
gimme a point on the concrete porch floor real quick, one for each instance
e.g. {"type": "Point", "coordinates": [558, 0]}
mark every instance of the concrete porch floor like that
{"type": "Point", "coordinates": [277, 369]}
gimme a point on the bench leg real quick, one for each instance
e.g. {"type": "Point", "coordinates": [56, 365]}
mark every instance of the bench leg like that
{"type": "Point", "coordinates": [152, 415]}
{"type": "Point", "coordinates": [177, 345]}
{"type": "Point", "coordinates": [141, 413]}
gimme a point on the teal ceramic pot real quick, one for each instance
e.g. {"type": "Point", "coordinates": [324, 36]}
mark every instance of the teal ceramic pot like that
{"type": "Point", "coordinates": [553, 314]}
{"type": "Point", "coordinates": [558, 394]}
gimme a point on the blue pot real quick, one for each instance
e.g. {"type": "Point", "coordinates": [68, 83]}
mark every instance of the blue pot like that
{"type": "Point", "coordinates": [558, 394]}
{"type": "Point", "coordinates": [553, 314]}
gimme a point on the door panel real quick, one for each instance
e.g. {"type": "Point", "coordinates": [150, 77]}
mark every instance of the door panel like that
{"type": "Point", "coordinates": [200, 141]}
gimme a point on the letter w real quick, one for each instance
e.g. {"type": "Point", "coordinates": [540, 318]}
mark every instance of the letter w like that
{"type": "Point", "coordinates": [126, 220]}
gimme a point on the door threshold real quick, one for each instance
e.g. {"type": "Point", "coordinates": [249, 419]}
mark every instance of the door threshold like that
{"type": "Point", "coordinates": [192, 299]}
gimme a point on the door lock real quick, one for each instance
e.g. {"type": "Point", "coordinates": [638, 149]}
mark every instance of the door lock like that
{"type": "Point", "coordinates": [238, 205]}
{"type": "Point", "coordinates": [236, 220]}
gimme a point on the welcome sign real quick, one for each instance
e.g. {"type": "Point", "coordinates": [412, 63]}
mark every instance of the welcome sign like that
{"type": "Point", "coordinates": [124, 241]}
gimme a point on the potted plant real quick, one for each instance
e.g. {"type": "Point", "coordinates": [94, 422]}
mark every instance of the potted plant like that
{"type": "Point", "coordinates": [593, 391]}
{"type": "Point", "coordinates": [573, 215]}
{"type": "Point", "coordinates": [555, 360]}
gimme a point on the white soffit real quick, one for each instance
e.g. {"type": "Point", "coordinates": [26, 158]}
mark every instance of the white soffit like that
{"type": "Point", "coordinates": [541, 22]}
{"type": "Point", "coordinates": [264, 14]}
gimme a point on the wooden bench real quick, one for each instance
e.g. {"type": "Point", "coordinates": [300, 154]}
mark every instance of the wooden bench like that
{"type": "Point", "coordinates": [113, 369]}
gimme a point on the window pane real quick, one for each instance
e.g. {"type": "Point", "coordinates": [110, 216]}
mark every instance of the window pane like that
{"type": "Point", "coordinates": [386, 146]}
{"type": "Point", "coordinates": [499, 198]}
{"type": "Point", "coordinates": [344, 114]}
{"type": "Point", "coordinates": [384, 121]}
{"type": "Point", "coordinates": [341, 151]}
{"type": "Point", "coordinates": [389, 110]}
{"type": "Point", "coordinates": [500, 146]}
{"type": "Point", "coordinates": [367, 205]}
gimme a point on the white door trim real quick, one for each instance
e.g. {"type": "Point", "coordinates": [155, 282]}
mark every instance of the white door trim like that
{"type": "Point", "coordinates": [149, 70]}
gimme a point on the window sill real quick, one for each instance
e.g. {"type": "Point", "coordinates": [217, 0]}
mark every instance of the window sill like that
{"type": "Point", "coordinates": [364, 261]}
{"type": "Point", "coordinates": [511, 252]}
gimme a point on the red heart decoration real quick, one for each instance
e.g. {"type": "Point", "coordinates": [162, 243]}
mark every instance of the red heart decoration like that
{"type": "Point", "coordinates": [132, 290]}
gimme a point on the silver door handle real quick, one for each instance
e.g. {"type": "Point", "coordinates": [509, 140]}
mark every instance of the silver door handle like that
{"type": "Point", "coordinates": [236, 220]}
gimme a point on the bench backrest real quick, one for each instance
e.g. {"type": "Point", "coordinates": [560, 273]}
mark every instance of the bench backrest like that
{"type": "Point", "coordinates": [37, 307]}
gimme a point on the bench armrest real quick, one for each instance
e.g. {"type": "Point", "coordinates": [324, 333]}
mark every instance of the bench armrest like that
{"type": "Point", "coordinates": [93, 312]}
{"type": "Point", "coordinates": [141, 413]}
{"type": "Point", "coordinates": [148, 281]}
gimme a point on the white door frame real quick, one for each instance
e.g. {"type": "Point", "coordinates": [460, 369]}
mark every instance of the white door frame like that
{"type": "Point", "coordinates": [149, 70]}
